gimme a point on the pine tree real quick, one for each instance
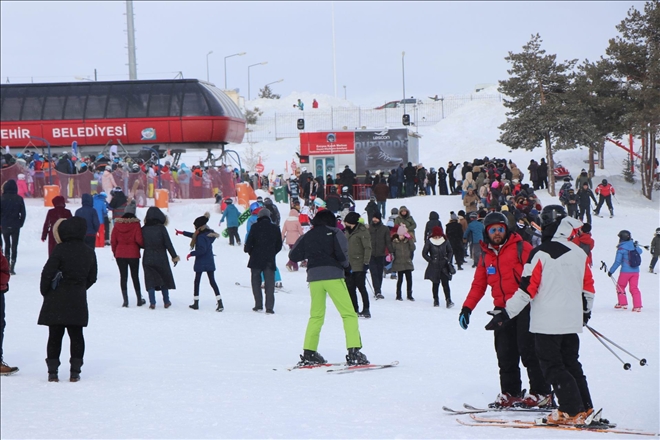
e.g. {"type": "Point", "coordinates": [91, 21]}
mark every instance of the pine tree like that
{"type": "Point", "coordinates": [537, 93]}
{"type": "Point", "coordinates": [267, 93]}
{"type": "Point", "coordinates": [635, 58]}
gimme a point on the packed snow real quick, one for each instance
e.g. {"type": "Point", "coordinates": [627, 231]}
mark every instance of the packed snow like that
{"type": "Point", "coordinates": [179, 373]}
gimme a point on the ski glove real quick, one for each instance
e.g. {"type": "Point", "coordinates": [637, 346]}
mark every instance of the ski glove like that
{"type": "Point", "coordinates": [609, 274]}
{"type": "Point", "coordinates": [499, 318]}
{"type": "Point", "coordinates": [178, 232]}
{"type": "Point", "coordinates": [585, 318]}
{"type": "Point", "coordinates": [464, 317]}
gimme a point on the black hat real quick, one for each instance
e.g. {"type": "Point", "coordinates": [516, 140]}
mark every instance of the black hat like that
{"type": "Point", "coordinates": [586, 228]}
{"type": "Point", "coordinates": [324, 218]}
{"type": "Point", "coordinates": [352, 218]}
{"type": "Point", "coordinates": [201, 221]}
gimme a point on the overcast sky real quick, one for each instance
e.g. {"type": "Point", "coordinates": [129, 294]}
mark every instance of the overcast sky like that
{"type": "Point", "coordinates": [449, 46]}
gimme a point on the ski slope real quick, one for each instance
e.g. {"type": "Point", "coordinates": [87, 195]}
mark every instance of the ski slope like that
{"type": "Point", "coordinates": [179, 373]}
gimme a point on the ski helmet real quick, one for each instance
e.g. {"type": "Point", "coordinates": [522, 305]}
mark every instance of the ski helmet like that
{"type": "Point", "coordinates": [495, 218]}
{"type": "Point", "coordinates": [552, 214]}
{"type": "Point", "coordinates": [604, 182]}
{"type": "Point", "coordinates": [254, 206]}
{"type": "Point", "coordinates": [344, 189]}
{"type": "Point", "coordinates": [624, 235]}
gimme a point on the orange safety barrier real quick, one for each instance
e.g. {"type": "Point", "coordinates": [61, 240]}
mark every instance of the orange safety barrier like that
{"type": "Point", "coordinates": [50, 192]}
{"type": "Point", "coordinates": [100, 236]}
{"type": "Point", "coordinates": [162, 198]}
{"type": "Point", "coordinates": [245, 194]}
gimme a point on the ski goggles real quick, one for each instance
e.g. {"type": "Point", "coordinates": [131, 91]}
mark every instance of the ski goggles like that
{"type": "Point", "coordinates": [496, 228]}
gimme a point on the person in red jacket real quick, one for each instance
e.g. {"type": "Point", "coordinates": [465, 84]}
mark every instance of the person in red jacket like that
{"type": "Point", "coordinates": [586, 242]}
{"type": "Point", "coordinates": [500, 267]}
{"type": "Point", "coordinates": [57, 212]}
{"type": "Point", "coordinates": [604, 191]}
{"type": "Point", "coordinates": [126, 241]}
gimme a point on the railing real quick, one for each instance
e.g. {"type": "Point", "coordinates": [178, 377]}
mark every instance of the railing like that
{"type": "Point", "coordinates": [281, 125]}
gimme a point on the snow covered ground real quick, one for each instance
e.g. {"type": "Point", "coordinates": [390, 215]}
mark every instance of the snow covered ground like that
{"type": "Point", "coordinates": [179, 373]}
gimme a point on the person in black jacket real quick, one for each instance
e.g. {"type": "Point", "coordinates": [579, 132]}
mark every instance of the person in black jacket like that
{"type": "Point", "coordinates": [442, 182]}
{"type": "Point", "coordinates": [438, 253]}
{"type": "Point", "coordinates": [409, 174]}
{"type": "Point", "coordinates": [263, 243]}
{"type": "Point", "coordinates": [542, 174]}
{"type": "Point", "coordinates": [12, 218]}
{"type": "Point", "coordinates": [434, 220]}
{"type": "Point", "coordinates": [65, 303]}
{"type": "Point", "coordinates": [333, 201]}
{"type": "Point", "coordinates": [455, 237]}
{"type": "Point", "coordinates": [432, 178]}
{"type": "Point", "coordinates": [584, 204]}
{"type": "Point", "coordinates": [380, 242]}
{"type": "Point", "coordinates": [91, 217]}
{"type": "Point", "coordinates": [274, 211]}
{"type": "Point", "coordinates": [157, 243]}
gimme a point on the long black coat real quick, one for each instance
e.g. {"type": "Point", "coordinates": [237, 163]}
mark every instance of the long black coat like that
{"type": "Point", "coordinates": [263, 243]}
{"type": "Point", "coordinates": [157, 243]}
{"type": "Point", "coordinates": [67, 304]}
{"type": "Point", "coordinates": [454, 232]}
{"type": "Point", "coordinates": [442, 183]}
{"type": "Point", "coordinates": [438, 258]}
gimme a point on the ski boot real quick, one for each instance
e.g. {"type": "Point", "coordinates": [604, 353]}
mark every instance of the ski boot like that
{"type": "Point", "coordinates": [504, 400]}
{"type": "Point", "coordinates": [310, 357]}
{"type": "Point", "coordinates": [536, 401]}
{"type": "Point", "coordinates": [356, 357]}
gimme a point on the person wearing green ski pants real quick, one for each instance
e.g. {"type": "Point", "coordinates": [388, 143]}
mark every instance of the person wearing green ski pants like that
{"type": "Point", "coordinates": [338, 293]}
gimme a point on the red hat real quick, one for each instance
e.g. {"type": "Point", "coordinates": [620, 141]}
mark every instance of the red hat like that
{"type": "Point", "coordinates": [437, 232]}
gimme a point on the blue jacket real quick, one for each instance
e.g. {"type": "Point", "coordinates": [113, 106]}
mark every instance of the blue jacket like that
{"type": "Point", "coordinates": [203, 252]}
{"type": "Point", "coordinates": [12, 206]}
{"type": "Point", "coordinates": [248, 224]}
{"type": "Point", "coordinates": [89, 214]}
{"type": "Point", "coordinates": [622, 257]}
{"type": "Point", "coordinates": [477, 229]}
{"type": "Point", "coordinates": [101, 206]}
{"type": "Point", "coordinates": [231, 214]}
{"type": "Point", "coordinates": [399, 175]}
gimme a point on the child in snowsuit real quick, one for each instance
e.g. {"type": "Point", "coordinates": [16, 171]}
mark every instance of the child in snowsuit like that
{"type": "Point", "coordinates": [201, 247]}
{"type": "Point", "coordinates": [403, 250]}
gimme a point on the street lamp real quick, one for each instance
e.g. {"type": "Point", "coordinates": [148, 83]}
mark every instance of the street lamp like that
{"type": "Point", "coordinates": [344, 93]}
{"type": "Point", "coordinates": [275, 82]}
{"type": "Point", "coordinates": [403, 72]}
{"type": "Point", "coordinates": [229, 56]}
{"type": "Point", "coordinates": [207, 66]}
{"type": "Point", "coordinates": [252, 65]}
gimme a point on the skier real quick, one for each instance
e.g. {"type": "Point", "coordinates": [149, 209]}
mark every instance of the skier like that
{"type": "Point", "coordinates": [65, 304]}
{"type": "Point", "coordinates": [381, 244]}
{"type": "Point", "coordinates": [604, 191]}
{"type": "Point", "coordinates": [231, 214]}
{"type": "Point", "coordinates": [326, 250]}
{"type": "Point", "coordinates": [584, 196]}
{"type": "Point", "coordinates": [359, 254]}
{"type": "Point", "coordinates": [437, 252]}
{"type": "Point", "coordinates": [201, 247]}
{"type": "Point", "coordinates": [101, 206]}
{"type": "Point", "coordinates": [501, 267]}
{"type": "Point", "coordinates": [57, 212]}
{"type": "Point", "coordinates": [628, 257]}
{"type": "Point", "coordinates": [553, 275]}
{"type": "Point", "coordinates": [126, 241]}
{"type": "Point", "coordinates": [12, 218]}
{"type": "Point", "coordinates": [157, 243]}
{"type": "Point", "coordinates": [5, 370]}
{"type": "Point", "coordinates": [262, 244]}
{"type": "Point", "coordinates": [655, 250]}
{"type": "Point", "coordinates": [404, 246]}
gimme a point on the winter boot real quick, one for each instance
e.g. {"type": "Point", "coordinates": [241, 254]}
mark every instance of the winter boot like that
{"type": "Point", "coordinates": [398, 296]}
{"type": "Point", "coordinates": [53, 365]}
{"type": "Point", "coordinates": [220, 307]}
{"type": "Point", "coordinates": [436, 302]}
{"type": "Point", "coordinates": [380, 295]}
{"type": "Point", "coordinates": [450, 304]}
{"type": "Point", "coordinates": [140, 301]}
{"type": "Point", "coordinates": [6, 370]}
{"type": "Point", "coordinates": [194, 305]}
{"type": "Point", "coordinates": [365, 314]}
{"type": "Point", "coordinates": [410, 297]}
{"type": "Point", "coordinates": [356, 357]}
{"type": "Point", "coordinates": [75, 369]}
{"type": "Point", "coordinates": [310, 357]}
{"type": "Point", "coordinates": [124, 294]}
{"type": "Point", "coordinates": [12, 265]}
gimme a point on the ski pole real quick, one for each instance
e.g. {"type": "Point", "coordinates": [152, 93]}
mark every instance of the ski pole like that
{"type": "Point", "coordinates": [373, 292]}
{"type": "Point", "coordinates": [642, 361]}
{"type": "Point", "coordinates": [626, 365]}
{"type": "Point", "coordinates": [603, 266]}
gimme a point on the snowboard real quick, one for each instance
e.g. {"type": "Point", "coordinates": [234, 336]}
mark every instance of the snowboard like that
{"type": "Point", "coordinates": [241, 219]}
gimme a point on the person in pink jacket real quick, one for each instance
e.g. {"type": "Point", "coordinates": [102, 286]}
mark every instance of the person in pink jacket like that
{"type": "Point", "coordinates": [22, 186]}
{"type": "Point", "coordinates": [291, 231]}
{"type": "Point", "coordinates": [108, 182]}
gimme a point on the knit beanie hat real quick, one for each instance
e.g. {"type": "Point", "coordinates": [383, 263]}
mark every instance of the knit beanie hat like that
{"type": "Point", "coordinates": [436, 231]}
{"type": "Point", "coordinates": [401, 230]}
{"type": "Point", "coordinates": [201, 221]}
{"type": "Point", "coordinates": [352, 218]}
{"type": "Point", "coordinates": [264, 212]}
{"type": "Point", "coordinates": [453, 216]}
{"type": "Point", "coordinates": [130, 208]}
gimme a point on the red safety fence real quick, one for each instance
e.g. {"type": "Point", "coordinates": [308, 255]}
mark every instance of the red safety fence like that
{"type": "Point", "coordinates": [359, 192]}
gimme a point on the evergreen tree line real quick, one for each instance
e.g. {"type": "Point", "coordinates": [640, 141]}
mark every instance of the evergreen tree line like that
{"type": "Point", "coordinates": [562, 105]}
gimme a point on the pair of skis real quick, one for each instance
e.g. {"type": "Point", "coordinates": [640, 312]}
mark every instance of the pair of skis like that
{"type": "Point", "coordinates": [277, 289]}
{"type": "Point", "coordinates": [469, 409]}
{"type": "Point", "coordinates": [542, 423]}
{"type": "Point", "coordinates": [343, 368]}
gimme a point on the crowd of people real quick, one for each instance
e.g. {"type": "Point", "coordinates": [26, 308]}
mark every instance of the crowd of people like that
{"type": "Point", "coordinates": [502, 226]}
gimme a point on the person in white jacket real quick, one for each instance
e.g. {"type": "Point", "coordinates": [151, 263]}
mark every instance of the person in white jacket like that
{"type": "Point", "coordinates": [558, 283]}
{"type": "Point", "coordinates": [458, 175]}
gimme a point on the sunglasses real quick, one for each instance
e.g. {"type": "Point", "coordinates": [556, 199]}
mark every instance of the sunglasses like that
{"type": "Point", "coordinates": [494, 229]}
